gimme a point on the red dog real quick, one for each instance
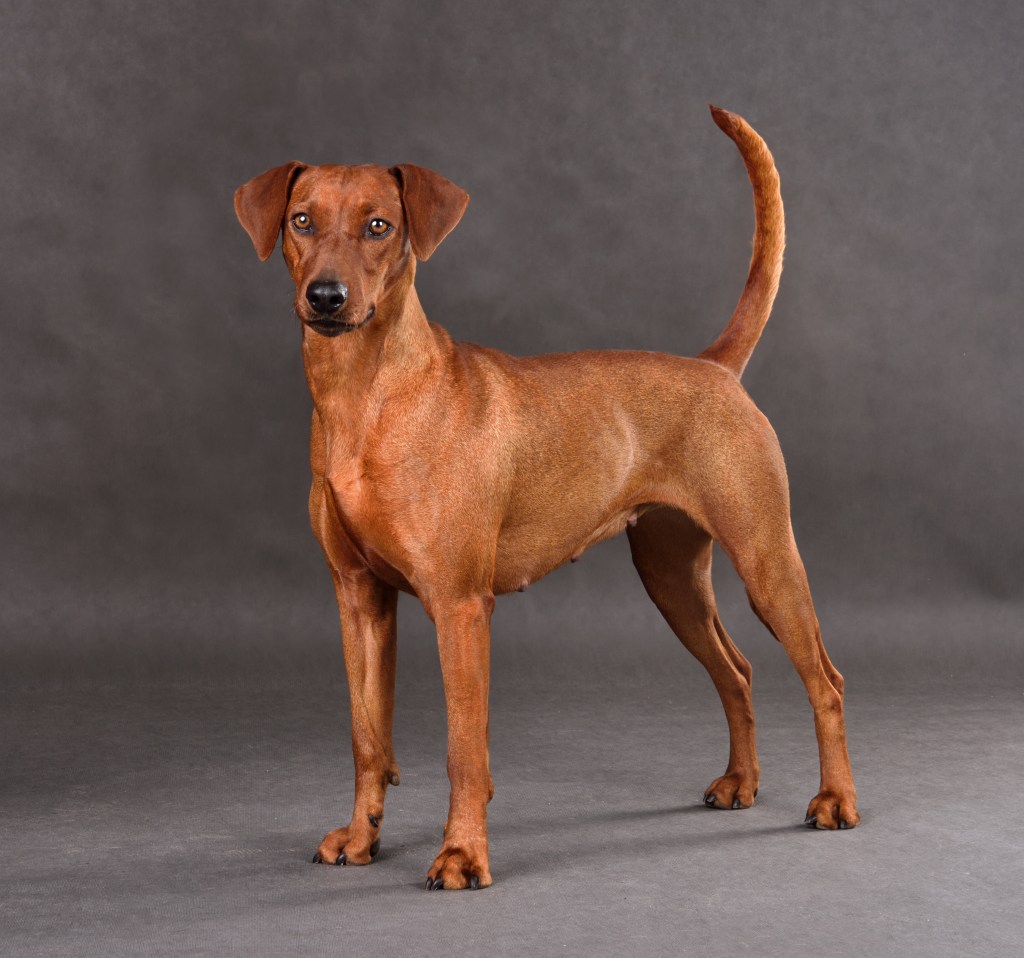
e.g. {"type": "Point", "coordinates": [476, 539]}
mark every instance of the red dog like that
{"type": "Point", "coordinates": [456, 473]}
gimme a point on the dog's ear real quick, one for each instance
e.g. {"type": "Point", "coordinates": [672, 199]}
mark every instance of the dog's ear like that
{"type": "Point", "coordinates": [260, 205]}
{"type": "Point", "coordinates": [433, 206]}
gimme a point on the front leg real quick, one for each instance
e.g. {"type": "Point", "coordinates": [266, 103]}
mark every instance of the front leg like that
{"type": "Point", "coordinates": [368, 628]}
{"type": "Point", "coordinates": [464, 642]}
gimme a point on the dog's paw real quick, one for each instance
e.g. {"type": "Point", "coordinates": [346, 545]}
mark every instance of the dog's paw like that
{"type": "Point", "coordinates": [732, 790]}
{"type": "Point", "coordinates": [346, 846]}
{"type": "Point", "coordinates": [833, 809]}
{"type": "Point", "coordinates": [459, 865]}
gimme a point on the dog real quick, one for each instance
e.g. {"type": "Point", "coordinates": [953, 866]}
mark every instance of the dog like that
{"type": "Point", "coordinates": [457, 473]}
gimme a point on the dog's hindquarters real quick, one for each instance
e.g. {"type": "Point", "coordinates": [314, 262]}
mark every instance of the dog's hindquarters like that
{"type": "Point", "coordinates": [737, 493]}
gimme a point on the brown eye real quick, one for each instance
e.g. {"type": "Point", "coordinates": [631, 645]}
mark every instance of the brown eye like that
{"type": "Point", "coordinates": [378, 227]}
{"type": "Point", "coordinates": [302, 222]}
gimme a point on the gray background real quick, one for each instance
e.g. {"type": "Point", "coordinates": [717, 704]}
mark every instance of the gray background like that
{"type": "Point", "coordinates": [174, 714]}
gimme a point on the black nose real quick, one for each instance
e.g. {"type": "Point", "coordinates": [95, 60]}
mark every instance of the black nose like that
{"type": "Point", "coordinates": [326, 297]}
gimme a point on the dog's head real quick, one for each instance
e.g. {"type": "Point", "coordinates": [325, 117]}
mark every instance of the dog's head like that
{"type": "Point", "coordinates": [349, 232]}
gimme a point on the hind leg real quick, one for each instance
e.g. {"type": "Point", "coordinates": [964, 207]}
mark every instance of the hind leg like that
{"type": "Point", "coordinates": [673, 557]}
{"type": "Point", "coordinates": [769, 564]}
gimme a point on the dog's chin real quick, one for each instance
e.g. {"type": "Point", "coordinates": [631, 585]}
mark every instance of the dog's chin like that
{"type": "Point", "coordinates": [331, 326]}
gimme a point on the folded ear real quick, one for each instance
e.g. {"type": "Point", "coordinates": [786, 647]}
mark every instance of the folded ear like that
{"type": "Point", "coordinates": [433, 206]}
{"type": "Point", "coordinates": [260, 205]}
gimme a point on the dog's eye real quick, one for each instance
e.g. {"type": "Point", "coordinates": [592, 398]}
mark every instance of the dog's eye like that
{"type": "Point", "coordinates": [302, 222]}
{"type": "Point", "coordinates": [378, 227]}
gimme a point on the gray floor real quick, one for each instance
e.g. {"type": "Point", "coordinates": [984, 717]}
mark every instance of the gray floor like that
{"type": "Point", "coordinates": [179, 820]}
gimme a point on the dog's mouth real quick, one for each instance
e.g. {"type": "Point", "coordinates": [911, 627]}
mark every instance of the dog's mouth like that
{"type": "Point", "coordinates": [330, 326]}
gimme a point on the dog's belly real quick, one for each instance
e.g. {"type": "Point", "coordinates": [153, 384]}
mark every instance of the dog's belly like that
{"type": "Point", "coordinates": [528, 552]}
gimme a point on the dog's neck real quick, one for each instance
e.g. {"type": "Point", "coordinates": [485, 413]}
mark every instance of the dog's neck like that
{"type": "Point", "coordinates": [347, 374]}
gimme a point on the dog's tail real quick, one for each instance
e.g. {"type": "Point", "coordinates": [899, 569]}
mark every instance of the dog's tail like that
{"type": "Point", "coordinates": [734, 347]}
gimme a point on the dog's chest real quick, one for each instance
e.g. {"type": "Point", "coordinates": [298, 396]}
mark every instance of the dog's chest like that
{"type": "Point", "coordinates": [347, 487]}
{"type": "Point", "coordinates": [351, 501]}
{"type": "Point", "coordinates": [360, 526]}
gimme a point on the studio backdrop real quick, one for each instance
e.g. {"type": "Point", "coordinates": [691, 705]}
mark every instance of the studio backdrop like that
{"type": "Point", "coordinates": [155, 415]}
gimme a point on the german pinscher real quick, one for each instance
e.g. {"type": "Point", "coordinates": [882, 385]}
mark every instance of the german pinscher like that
{"type": "Point", "coordinates": [457, 473]}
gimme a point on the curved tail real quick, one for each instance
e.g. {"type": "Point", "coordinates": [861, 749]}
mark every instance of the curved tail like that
{"type": "Point", "coordinates": [734, 347]}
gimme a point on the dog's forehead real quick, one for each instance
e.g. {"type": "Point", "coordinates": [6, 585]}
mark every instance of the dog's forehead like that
{"type": "Point", "coordinates": [336, 186]}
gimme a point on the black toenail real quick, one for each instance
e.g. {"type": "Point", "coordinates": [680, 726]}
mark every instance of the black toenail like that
{"type": "Point", "coordinates": [317, 859]}
{"type": "Point", "coordinates": [426, 887]}
{"type": "Point", "coordinates": [374, 848]}
{"type": "Point", "coordinates": [808, 818]}
{"type": "Point", "coordinates": [811, 821]}
{"type": "Point", "coordinates": [736, 803]}
{"type": "Point", "coordinates": [373, 821]}
{"type": "Point", "coordinates": [438, 883]}
{"type": "Point", "coordinates": [843, 823]}
{"type": "Point", "coordinates": [709, 800]}
{"type": "Point", "coordinates": [340, 860]}
{"type": "Point", "coordinates": [474, 882]}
